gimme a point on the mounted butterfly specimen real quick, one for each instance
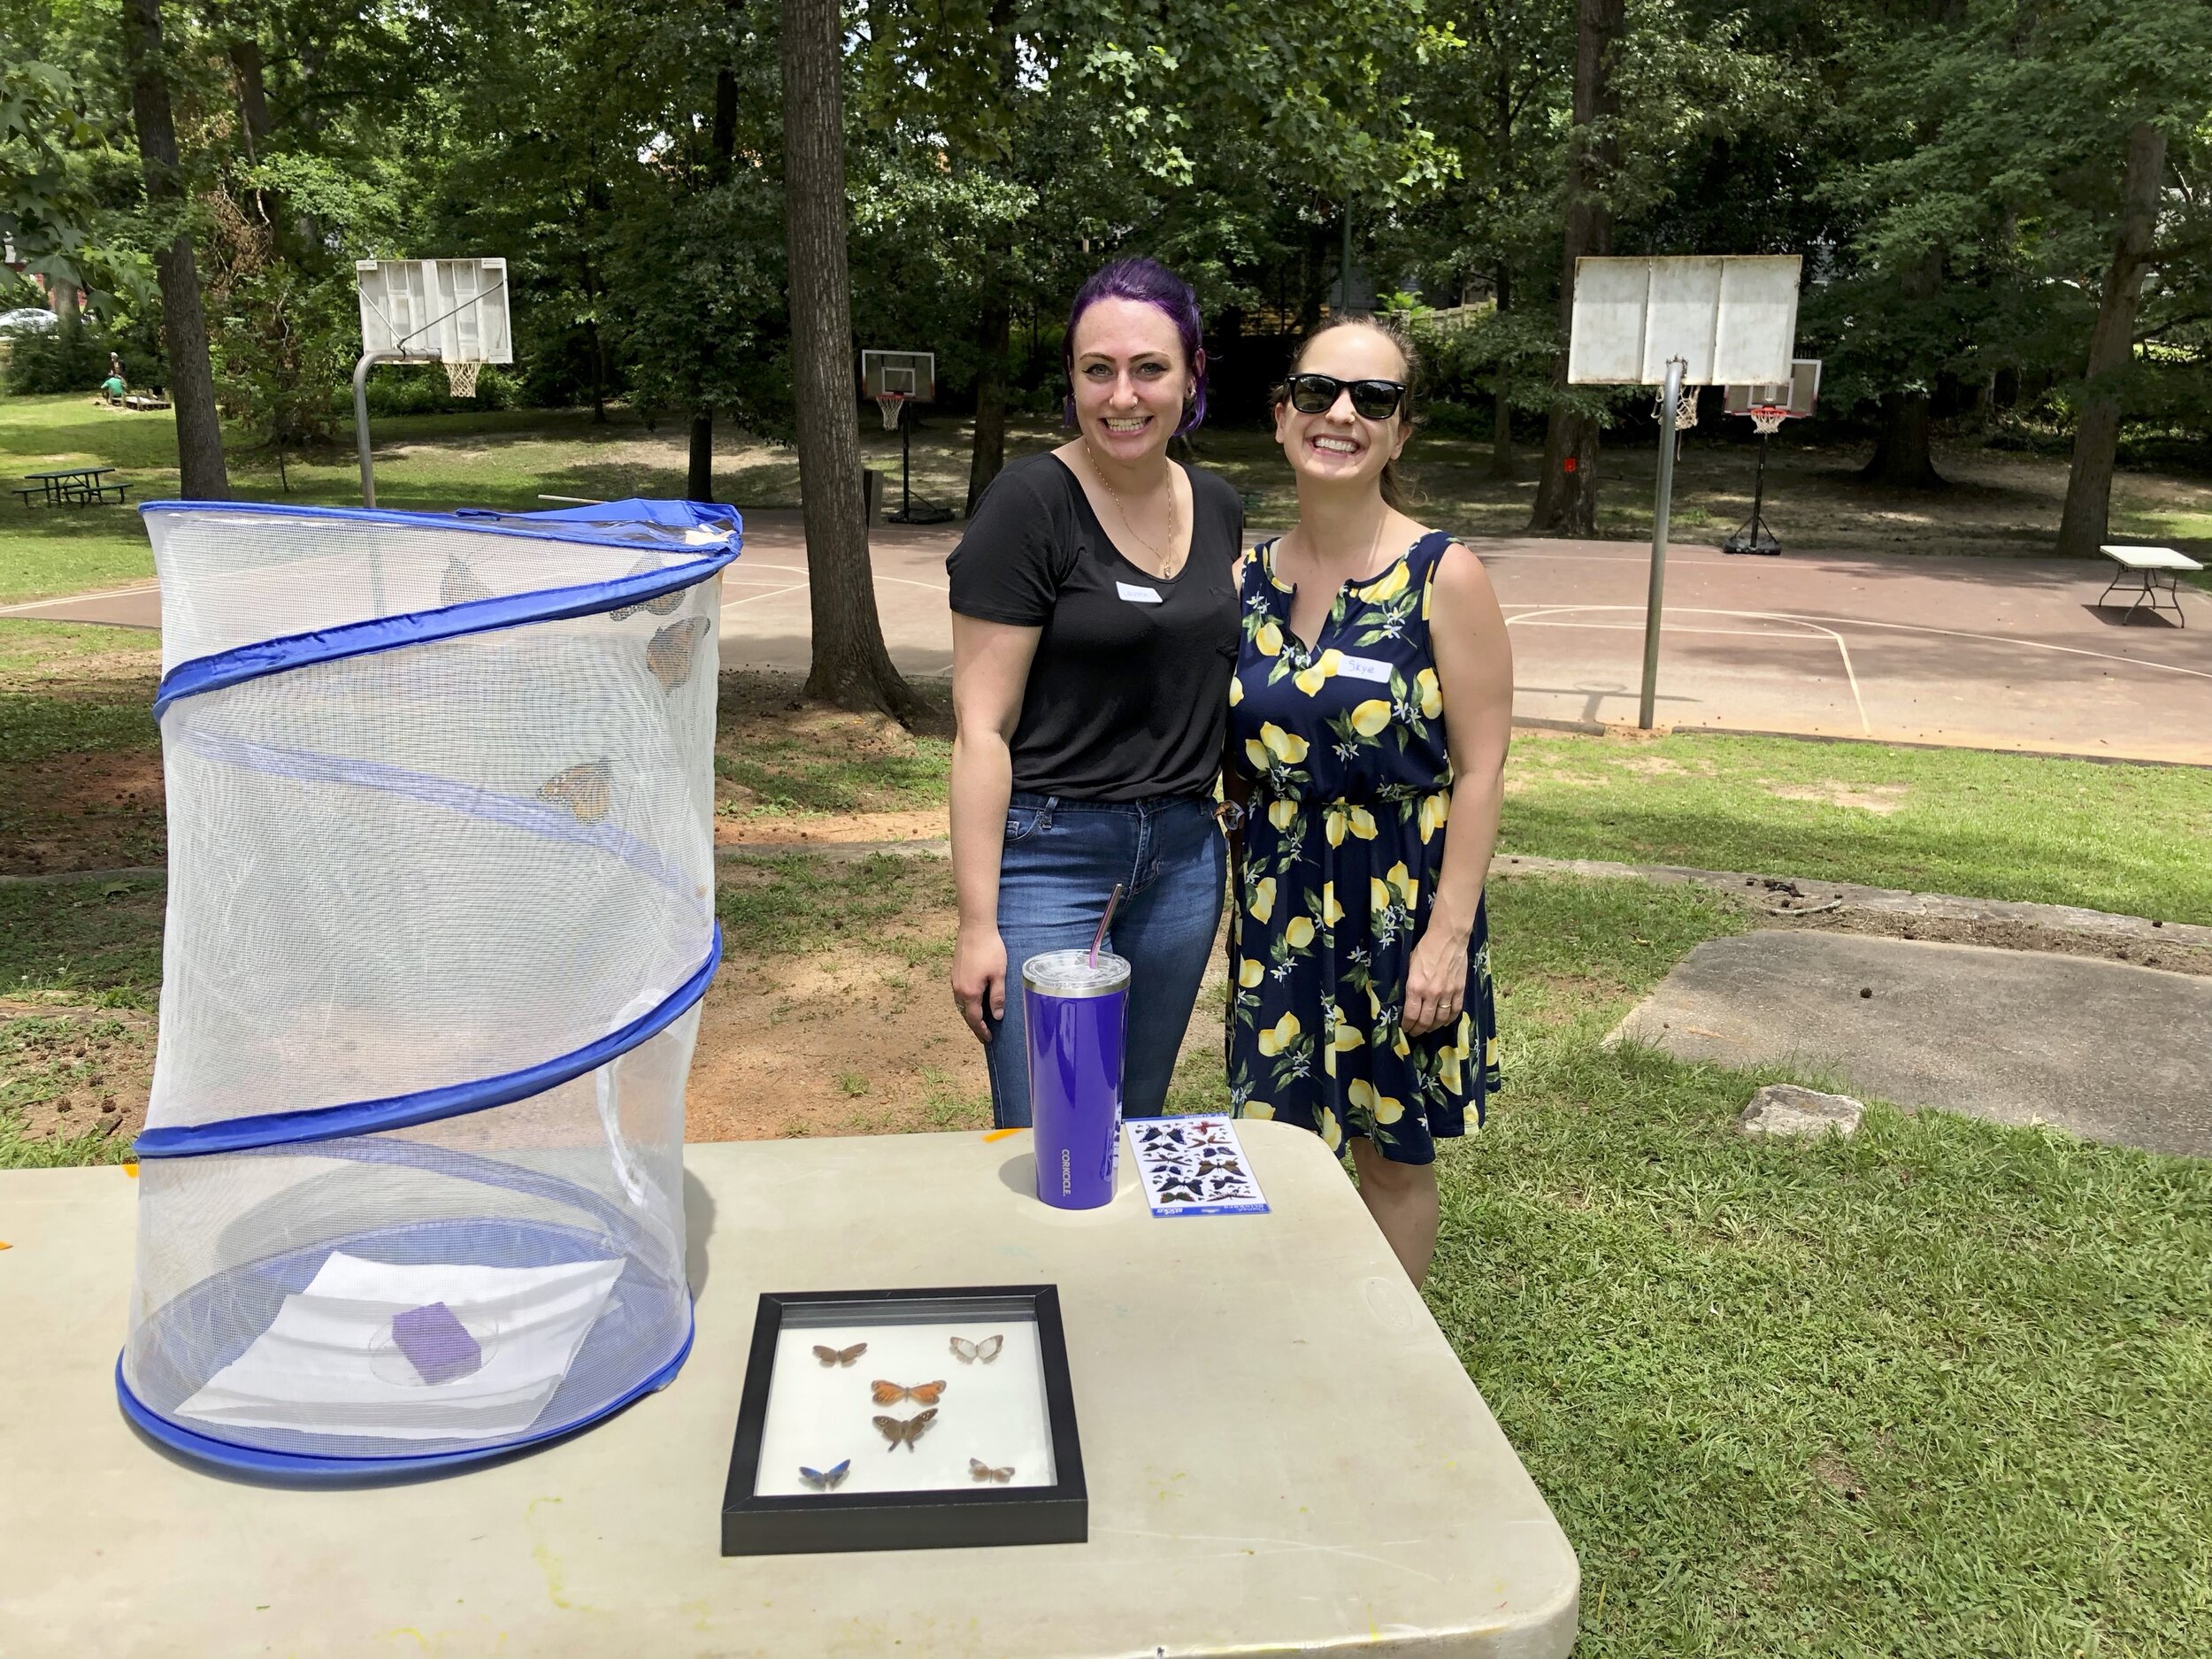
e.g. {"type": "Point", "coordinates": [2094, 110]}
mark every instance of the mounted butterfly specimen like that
{"type": "Point", "coordinates": [979, 1469]}
{"type": "Point", "coordinates": [670, 652]}
{"type": "Point", "coordinates": [665, 605]}
{"type": "Point", "coordinates": [907, 1431]}
{"type": "Point", "coordinates": [840, 1355]}
{"type": "Point", "coordinates": [889, 1394]}
{"type": "Point", "coordinates": [587, 790]}
{"type": "Point", "coordinates": [826, 1480]}
{"type": "Point", "coordinates": [968, 1353]}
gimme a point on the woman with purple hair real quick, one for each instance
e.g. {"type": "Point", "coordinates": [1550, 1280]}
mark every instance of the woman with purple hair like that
{"type": "Point", "coordinates": [1094, 630]}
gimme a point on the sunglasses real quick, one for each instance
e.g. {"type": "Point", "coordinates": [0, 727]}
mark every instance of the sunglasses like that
{"type": "Point", "coordinates": [1371, 400]}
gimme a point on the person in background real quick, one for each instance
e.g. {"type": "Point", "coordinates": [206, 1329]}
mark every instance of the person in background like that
{"type": "Point", "coordinates": [1095, 625]}
{"type": "Point", "coordinates": [1371, 707]}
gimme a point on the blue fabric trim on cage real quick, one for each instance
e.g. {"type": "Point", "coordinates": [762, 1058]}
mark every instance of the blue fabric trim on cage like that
{"type": "Point", "coordinates": [420, 627]}
{"type": "Point", "coordinates": [401, 1111]}
{"type": "Point", "coordinates": [254, 1460]}
{"type": "Point", "coordinates": [636, 522]}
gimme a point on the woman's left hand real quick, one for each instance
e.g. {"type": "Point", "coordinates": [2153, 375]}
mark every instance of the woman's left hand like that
{"type": "Point", "coordinates": [1436, 982]}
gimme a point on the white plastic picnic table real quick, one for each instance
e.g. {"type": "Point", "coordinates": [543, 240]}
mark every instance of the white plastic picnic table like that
{"type": "Point", "coordinates": [2147, 564]}
{"type": "Point", "coordinates": [1284, 1455]}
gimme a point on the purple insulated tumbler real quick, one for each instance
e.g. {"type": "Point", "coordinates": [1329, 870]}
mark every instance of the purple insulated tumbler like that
{"type": "Point", "coordinates": [1075, 1012]}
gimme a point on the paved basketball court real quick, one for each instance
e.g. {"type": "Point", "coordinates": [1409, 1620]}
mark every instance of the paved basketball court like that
{"type": "Point", "coordinates": [1990, 653]}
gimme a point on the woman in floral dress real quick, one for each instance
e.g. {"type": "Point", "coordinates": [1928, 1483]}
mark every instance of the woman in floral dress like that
{"type": "Point", "coordinates": [1369, 720]}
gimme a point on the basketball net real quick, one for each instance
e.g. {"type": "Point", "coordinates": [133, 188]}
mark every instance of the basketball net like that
{"type": "Point", "coordinates": [1685, 408]}
{"type": "Point", "coordinates": [1768, 421]}
{"type": "Point", "coordinates": [460, 376]}
{"type": "Point", "coordinates": [888, 404]}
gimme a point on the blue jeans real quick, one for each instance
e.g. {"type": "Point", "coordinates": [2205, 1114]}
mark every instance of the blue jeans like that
{"type": "Point", "coordinates": [1061, 862]}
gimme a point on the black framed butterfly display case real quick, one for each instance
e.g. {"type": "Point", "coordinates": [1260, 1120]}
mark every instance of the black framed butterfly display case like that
{"type": "Point", "coordinates": [906, 1419]}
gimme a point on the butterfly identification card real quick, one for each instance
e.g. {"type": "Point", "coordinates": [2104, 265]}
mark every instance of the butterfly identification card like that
{"type": "Point", "coordinates": [1194, 1166]}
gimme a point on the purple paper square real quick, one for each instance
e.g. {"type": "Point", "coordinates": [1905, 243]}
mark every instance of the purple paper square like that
{"type": "Point", "coordinates": [435, 1343]}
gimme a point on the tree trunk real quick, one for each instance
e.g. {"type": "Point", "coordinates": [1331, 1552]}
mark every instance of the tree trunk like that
{"type": "Point", "coordinates": [699, 474]}
{"type": "Point", "coordinates": [1500, 405]}
{"type": "Point", "coordinates": [2081, 528]}
{"type": "Point", "coordinates": [201, 476]}
{"type": "Point", "coordinates": [850, 666]}
{"type": "Point", "coordinates": [1567, 489]}
{"type": "Point", "coordinates": [995, 314]}
{"type": "Point", "coordinates": [995, 338]}
{"type": "Point", "coordinates": [1904, 457]}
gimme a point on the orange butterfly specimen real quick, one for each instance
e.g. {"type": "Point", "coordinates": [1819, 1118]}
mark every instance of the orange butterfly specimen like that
{"type": "Point", "coordinates": [967, 1352]}
{"type": "Point", "coordinates": [668, 653]}
{"type": "Point", "coordinates": [587, 790]}
{"type": "Point", "coordinates": [905, 1433]}
{"type": "Point", "coordinates": [889, 1394]}
{"type": "Point", "coordinates": [665, 605]}
{"type": "Point", "coordinates": [981, 1471]}
{"type": "Point", "coordinates": [840, 1355]}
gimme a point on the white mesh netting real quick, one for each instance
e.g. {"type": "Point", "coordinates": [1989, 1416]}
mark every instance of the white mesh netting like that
{"type": "Point", "coordinates": [440, 910]}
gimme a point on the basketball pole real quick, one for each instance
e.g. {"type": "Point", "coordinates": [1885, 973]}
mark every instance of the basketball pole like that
{"type": "Point", "coordinates": [1662, 501]}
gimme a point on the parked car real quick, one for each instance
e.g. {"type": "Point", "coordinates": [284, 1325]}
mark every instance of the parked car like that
{"type": "Point", "coordinates": [28, 320]}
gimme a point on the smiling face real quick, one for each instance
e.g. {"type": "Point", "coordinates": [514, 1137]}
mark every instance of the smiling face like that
{"type": "Point", "coordinates": [1340, 447]}
{"type": "Point", "coordinates": [1131, 386]}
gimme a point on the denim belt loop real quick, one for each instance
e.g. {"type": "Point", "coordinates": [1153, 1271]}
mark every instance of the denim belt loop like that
{"type": "Point", "coordinates": [1044, 817]}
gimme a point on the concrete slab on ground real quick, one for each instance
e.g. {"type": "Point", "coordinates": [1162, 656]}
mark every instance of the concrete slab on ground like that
{"type": "Point", "coordinates": [1978, 652]}
{"type": "Point", "coordinates": [2106, 1050]}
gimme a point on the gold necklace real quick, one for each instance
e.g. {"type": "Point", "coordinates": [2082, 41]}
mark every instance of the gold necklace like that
{"type": "Point", "coordinates": [1121, 510]}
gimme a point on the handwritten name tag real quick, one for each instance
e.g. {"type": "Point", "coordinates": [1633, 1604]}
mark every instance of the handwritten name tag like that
{"type": "Point", "coordinates": [1137, 596]}
{"type": "Point", "coordinates": [1365, 668]}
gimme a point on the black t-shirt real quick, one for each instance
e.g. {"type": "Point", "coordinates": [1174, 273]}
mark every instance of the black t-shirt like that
{"type": "Point", "coordinates": [1128, 695]}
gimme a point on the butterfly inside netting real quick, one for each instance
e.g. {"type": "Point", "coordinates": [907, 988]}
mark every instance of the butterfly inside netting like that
{"type": "Point", "coordinates": [460, 584]}
{"type": "Point", "coordinates": [968, 1352]}
{"type": "Point", "coordinates": [668, 653]}
{"type": "Point", "coordinates": [905, 1433]}
{"type": "Point", "coordinates": [587, 790]}
{"type": "Point", "coordinates": [825, 1479]}
{"type": "Point", "coordinates": [889, 1394]}
{"type": "Point", "coordinates": [980, 1470]}
{"type": "Point", "coordinates": [664, 605]}
{"type": "Point", "coordinates": [840, 1355]}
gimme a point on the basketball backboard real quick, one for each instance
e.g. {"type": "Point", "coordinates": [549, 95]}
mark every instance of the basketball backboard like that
{"type": "Point", "coordinates": [913, 373]}
{"type": "Point", "coordinates": [1796, 396]}
{"type": "Point", "coordinates": [454, 310]}
{"type": "Point", "coordinates": [1732, 318]}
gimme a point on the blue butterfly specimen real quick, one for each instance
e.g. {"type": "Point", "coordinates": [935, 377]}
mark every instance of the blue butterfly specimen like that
{"type": "Point", "coordinates": [823, 1479]}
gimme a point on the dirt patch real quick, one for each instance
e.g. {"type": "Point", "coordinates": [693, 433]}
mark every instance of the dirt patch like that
{"type": "Point", "coordinates": [776, 830]}
{"type": "Point", "coordinates": [102, 811]}
{"type": "Point", "coordinates": [70, 1069]}
{"type": "Point", "coordinates": [1881, 799]}
{"type": "Point", "coordinates": [2003, 935]}
{"type": "Point", "coordinates": [850, 1042]}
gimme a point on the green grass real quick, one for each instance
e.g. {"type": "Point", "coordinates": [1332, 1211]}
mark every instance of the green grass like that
{"type": "Point", "coordinates": [791, 777]}
{"type": "Point", "coordinates": [775, 906]}
{"type": "Point", "coordinates": [96, 941]}
{"type": "Point", "coordinates": [1934, 1391]}
{"type": "Point", "coordinates": [42, 1059]}
{"type": "Point", "coordinates": [2132, 839]}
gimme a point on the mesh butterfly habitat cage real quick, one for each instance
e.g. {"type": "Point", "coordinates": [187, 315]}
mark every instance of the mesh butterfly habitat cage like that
{"type": "Point", "coordinates": [440, 911]}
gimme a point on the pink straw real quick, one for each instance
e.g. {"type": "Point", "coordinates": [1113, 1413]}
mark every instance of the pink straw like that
{"type": "Point", "coordinates": [1104, 922]}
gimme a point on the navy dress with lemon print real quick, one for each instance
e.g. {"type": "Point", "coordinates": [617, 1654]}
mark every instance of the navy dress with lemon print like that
{"type": "Point", "coordinates": [1343, 745]}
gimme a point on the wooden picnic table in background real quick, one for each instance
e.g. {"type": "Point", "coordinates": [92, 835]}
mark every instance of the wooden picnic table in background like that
{"type": "Point", "coordinates": [71, 487]}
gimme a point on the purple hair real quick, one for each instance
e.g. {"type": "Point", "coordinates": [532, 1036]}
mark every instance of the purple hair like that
{"type": "Point", "coordinates": [1151, 283]}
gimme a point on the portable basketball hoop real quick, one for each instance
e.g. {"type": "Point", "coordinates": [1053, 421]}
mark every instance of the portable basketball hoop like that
{"type": "Point", "coordinates": [449, 312]}
{"type": "Point", "coordinates": [1768, 404]}
{"type": "Point", "coordinates": [1678, 324]}
{"type": "Point", "coordinates": [895, 380]}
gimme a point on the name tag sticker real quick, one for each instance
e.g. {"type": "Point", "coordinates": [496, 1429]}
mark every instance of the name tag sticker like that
{"type": "Point", "coordinates": [1137, 596]}
{"type": "Point", "coordinates": [1365, 668]}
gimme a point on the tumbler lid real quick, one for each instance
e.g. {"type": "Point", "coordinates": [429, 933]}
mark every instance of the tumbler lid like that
{"type": "Point", "coordinates": [1072, 973]}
